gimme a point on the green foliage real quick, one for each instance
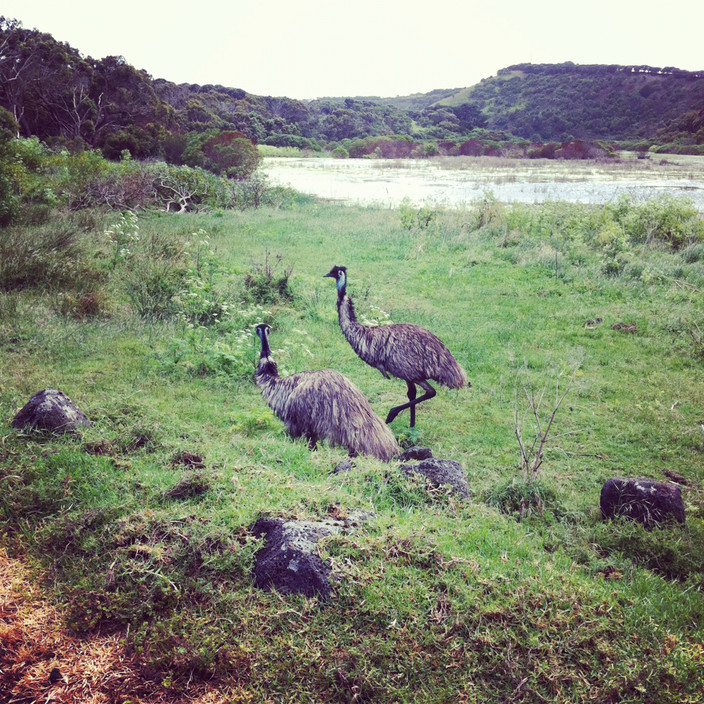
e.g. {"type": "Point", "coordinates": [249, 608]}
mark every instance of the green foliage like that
{"type": "Point", "coordinates": [225, 153]}
{"type": "Point", "coordinates": [667, 219]}
{"type": "Point", "coordinates": [412, 217]}
{"type": "Point", "coordinates": [269, 282]}
{"type": "Point", "coordinates": [340, 153]}
{"type": "Point", "coordinates": [8, 167]}
{"type": "Point", "coordinates": [523, 498]}
{"type": "Point", "coordinates": [49, 256]}
{"type": "Point", "coordinates": [435, 598]}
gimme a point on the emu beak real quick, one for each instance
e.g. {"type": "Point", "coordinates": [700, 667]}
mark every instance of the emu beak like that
{"type": "Point", "coordinates": [329, 275]}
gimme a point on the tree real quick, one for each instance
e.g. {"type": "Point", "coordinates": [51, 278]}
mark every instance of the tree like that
{"type": "Point", "coordinates": [222, 152]}
{"type": "Point", "coordinates": [8, 200]}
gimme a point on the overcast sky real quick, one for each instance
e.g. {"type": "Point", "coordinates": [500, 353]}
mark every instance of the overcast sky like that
{"type": "Point", "coordinates": [315, 48]}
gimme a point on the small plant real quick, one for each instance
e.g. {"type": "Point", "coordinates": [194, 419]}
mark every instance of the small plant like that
{"type": "Point", "coordinates": [532, 452]}
{"type": "Point", "coordinates": [522, 498]}
{"type": "Point", "coordinates": [122, 236]}
{"type": "Point", "coordinates": [199, 303]}
{"type": "Point", "coordinates": [490, 212]}
{"type": "Point", "coordinates": [269, 282]}
{"type": "Point", "coordinates": [416, 218]}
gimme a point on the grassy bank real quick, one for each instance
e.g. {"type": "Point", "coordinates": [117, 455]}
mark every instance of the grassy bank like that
{"type": "Point", "coordinates": [148, 326]}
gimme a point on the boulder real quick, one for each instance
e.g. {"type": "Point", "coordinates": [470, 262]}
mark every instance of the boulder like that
{"type": "Point", "coordinates": [342, 467]}
{"type": "Point", "coordinates": [441, 473]}
{"type": "Point", "coordinates": [52, 410]}
{"type": "Point", "coordinates": [289, 561]}
{"type": "Point", "coordinates": [644, 500]}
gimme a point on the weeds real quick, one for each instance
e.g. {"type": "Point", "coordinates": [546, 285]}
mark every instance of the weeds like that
{"type": "Point", "coordinates": [269, 282]}
{"type": "Point", "coordinates": [532, 452]}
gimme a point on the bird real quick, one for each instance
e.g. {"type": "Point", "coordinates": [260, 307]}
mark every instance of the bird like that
{"type": "Point", "coordinates": [323, 404]}
{"type": "Point", "coordinates": [405, 351]}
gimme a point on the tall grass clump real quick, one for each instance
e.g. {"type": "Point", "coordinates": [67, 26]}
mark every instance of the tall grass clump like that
{"type": "Point", "coordinates": [51, 255]}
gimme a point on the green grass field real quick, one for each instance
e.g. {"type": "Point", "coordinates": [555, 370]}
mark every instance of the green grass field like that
{"type": "Point", "coordinates": [149, 329]}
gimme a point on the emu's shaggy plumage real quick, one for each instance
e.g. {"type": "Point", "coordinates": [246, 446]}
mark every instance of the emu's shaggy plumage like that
{"type": "Point", "coordinates": [403, 350]}
{"type": "Point", "coordinates": [323, 404]}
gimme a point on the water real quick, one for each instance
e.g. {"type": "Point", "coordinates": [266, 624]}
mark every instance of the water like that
{"type": "Point", "coordinates": [456, 181]}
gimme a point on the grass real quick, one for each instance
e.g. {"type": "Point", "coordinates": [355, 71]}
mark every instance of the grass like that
{"type": "Point", "coordinates": [439, 600]}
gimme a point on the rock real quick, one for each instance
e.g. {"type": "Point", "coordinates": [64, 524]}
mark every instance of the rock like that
{"type": "Point", "coordinates": [289, 561]}
{"type": "Point", "coordinates": [51, 410]}
{"type": "Point", "coordinates": [442, 473]}
{"type": "Point", "coordinates": [416, 453]}
{"type": "Point", "coordinates": [643, 500]}
{"type": "Point", "coordinates": [344, 466]}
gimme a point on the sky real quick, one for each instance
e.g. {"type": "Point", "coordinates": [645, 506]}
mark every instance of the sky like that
{"type": "Point", "coordinates": [308, 49]}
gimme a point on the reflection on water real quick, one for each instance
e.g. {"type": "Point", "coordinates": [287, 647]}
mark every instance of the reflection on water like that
{"type": "Point", "coordinates": [441, 182]}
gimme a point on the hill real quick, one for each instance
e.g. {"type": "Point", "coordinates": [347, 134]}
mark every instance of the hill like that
{"type": "Point", "coordinates": [556, 102]}
{"type": "Point", "coordinates": [66, 99]}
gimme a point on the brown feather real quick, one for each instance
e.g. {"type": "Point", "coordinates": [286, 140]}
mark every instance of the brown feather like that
{"type": "Point", "coordinates": [324, 404]}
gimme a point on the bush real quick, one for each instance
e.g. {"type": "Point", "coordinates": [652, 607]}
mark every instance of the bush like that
{"type": "Point", "coordinates": [264, 284]}
{"type": "Point", "coordinates": [49, 256]}
{"type": "Point", "coordinates": [672, 221]}
{"type": "Point", "coordinates": [521, 498]}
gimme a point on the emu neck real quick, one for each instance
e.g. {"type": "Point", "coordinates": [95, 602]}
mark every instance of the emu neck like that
{"type": "Point", "coordinates": [346, 314]}
{"type": "Point", "coordinates": [267, 371]}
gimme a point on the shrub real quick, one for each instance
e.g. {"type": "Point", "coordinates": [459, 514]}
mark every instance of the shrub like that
{"type": "Point", "coordinates": [45, 257]}
{"type": "Point", "coordinates": [269, 282]}
{"type": "Point", "coordinates": [521, 498]}
{"type": "Point", "coordinates": [667, 219]}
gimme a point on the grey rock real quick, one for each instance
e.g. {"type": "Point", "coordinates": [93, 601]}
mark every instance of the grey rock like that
{"type": "Point", "coordinates": [52, 410]}
{"type": "Point", "coordinates": [442, 473]}
{"type": "Point", "coordinates": [644, 500]}
{"type": "Point", "coordinates": [289, 561]}
{"type": "Point", "coordinates": [416, 453]}
{"type": "Point", "coordinates": [344, 466]}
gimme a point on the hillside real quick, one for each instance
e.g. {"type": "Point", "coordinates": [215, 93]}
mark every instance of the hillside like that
{"type": "Point", "coordinates": [69, 100]}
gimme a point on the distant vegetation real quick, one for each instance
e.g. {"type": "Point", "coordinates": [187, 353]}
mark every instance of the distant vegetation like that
{"type": "Point", "coordinates": [74, 102]}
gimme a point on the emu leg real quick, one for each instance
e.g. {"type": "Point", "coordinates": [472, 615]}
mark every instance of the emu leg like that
{"type": "Point", "coordinates": [413, 402]}
{"type": "Point", "coordinates": [412, 393]}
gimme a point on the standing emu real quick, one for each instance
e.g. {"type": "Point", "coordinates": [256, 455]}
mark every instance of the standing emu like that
{"type": "Point", "coordinates": [323, 404]}
{"type": "Point", "coordinates": [406, 351]}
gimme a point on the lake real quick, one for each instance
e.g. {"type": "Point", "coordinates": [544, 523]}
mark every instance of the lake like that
{"type": "Point", "coordinates": [456, 181]}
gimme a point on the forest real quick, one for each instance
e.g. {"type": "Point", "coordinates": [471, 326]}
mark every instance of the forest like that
{"type": "Point", "coordinates": [73, 101]}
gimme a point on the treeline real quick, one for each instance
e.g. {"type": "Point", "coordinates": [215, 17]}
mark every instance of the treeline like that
{"type": "Point", "coordinates": [70, 101]}
{"type": "Point", "coordinates": [565, 101]}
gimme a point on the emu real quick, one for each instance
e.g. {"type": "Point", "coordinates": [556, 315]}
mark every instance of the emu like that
{"type": "Point", "coordinates": [323, 404]}
{"type": "Point", "coordinates": [403, 350]}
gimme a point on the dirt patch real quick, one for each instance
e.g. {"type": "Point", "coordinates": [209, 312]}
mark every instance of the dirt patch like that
{"type": "Point", "coordinates": [41, 661]}
{"type": "Point", "coordinates": [625, 327]}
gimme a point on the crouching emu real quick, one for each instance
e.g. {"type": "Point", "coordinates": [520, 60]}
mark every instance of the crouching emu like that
{"type": "Point", "coordinates": [406, 351]}
{"type": "Point", "coordinates": [323, 404]}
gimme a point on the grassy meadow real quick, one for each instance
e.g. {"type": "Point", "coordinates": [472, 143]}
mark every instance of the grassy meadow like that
{"type": "Point", "coordinates": [519, 594]}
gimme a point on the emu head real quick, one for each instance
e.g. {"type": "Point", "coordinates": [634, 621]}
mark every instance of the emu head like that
{"type": "Point", "coordinates": [339, 273]}
{"type": "Point", "coordinates": [263, 335]}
